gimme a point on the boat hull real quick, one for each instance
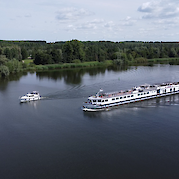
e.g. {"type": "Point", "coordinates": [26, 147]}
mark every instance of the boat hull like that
{"type": "Point", "coordinates": [29, 99]}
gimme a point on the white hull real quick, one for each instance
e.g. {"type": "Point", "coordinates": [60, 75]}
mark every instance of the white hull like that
{"type": "Point", "coordinates": [103, 101]}
{"type": "Point", "coordinates": [29, 99]}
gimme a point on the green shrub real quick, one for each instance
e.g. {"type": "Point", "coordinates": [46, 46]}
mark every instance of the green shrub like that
{"type": "Point", "coordinates": [51, 67]}
{"type": "Point", "coordinates": [24, 65]}
{"type": "Point", "coordinates": [14, 66]}
{"type": "Point", "coordinates": [31, 68]}
{"type": "Point", "coordinates": [76, 61]}
{"type": "Point", "coordinates": [45, 67]}
{"type": "Point", "coordinates": [4, 70]}
{"type": "Point", "coordinates": [39, 67]}
{"type": "Point", "coordinates": [141, 60]}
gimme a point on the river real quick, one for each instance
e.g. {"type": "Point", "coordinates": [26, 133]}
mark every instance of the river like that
{"type": "Point", "coordinates": [54, 139]}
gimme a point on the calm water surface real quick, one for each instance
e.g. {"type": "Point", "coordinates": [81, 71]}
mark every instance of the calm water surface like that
{"type": "Point", "coordinates": [54, 139]}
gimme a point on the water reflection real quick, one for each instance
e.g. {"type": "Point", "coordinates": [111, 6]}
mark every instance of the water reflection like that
{"type": "Point", "coordinates": [118, 68]}
{"type": "Point", "coordinates": [74, 76]}
{"type": "Point", "coordinates": [13, 77]}
{"type": "Point", "coordinates": [33, 104]}
{"type": "Point", "coordinates": [70, 76]}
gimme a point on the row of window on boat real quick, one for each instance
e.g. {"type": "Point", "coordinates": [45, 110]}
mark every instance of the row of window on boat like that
{"type": "Point", "coordinates": [122, 97]}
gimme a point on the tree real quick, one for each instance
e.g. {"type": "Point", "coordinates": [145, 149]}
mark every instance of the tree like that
{"type": "Point", "coordinates": [24, 53]}
{"type": "Point", "coordinates": [8, 53]}
{"type": "Point", "coordinates": [14, 66]}
{"type": "Point", "coordinates": [130, 57]}
{"type": "Point", "coordinates": [172, 53]}
{"type": "Point", "coordinates": [42, 58]}
{"type": "Point", "coordinates": [124, 57]}
{"type": "Point", "coordinates": [1, 51]}
{"type": "Point", "coordinates": [4, 70]}
{"type": "Point", "coordinates": [67, 52]}
{"type": "Point", "coordinates": [101, 55]}
{"type": "Point", "coordinates": [3, 59]}
{"type": "Point", "coordinates": [56, 55]}
{"type": "Point", "coordinates": [39, 58]}
{"type": "Point", "coordinates": [73, 50]}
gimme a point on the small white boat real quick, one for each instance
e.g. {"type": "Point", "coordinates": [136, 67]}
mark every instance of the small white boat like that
{"type": "Point", "coordinates": [30, 97]}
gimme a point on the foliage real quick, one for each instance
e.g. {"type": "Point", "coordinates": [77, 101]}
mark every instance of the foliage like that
{"type": "Point", "coordinates": [14, 66]}
{"type": "Point", "coordinates": [27, 61]}
{"type": "Point", "coordinates": [24, 65]}
{"type": "Point", "coordinates": [76, 61]}
{"type": "Point", "coordinates": [3, 59]}
{"type": "Point", "coordinates": [24, 53]}
{"type": "Point", "coordinates": [108, 62]}
{"type": "Point", "coordinates": [4, 70]}
{"type": "Point", "coordinates": [140, 60]}
{"type": "Point", "coordinates": [118, 62]}
{"type": "Point", "coordinates": [12, 52]}
{"type": "Point", "coordinates": [74, 53]}
{"type": "Point", "coordinates": [73, 50]}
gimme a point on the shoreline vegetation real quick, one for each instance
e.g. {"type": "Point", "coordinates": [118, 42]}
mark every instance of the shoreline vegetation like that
{"type": "Point", "coordinates": [18, 56]}
{"type": "Point", "coordinates": [32, 67]}
{"type": "Point", "coordinates": [68, 65]}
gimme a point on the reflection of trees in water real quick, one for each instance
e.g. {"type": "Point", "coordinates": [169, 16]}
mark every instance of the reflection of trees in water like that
{"type": "Point", "coordinates": [13, 77]}
{"type": "Point", "coordinates": [17, 76]}
{"type": "Point", "coordinates": [95, 71]}
{"type": "Point", "coordinates": [118, 68]}
{"type": "Point", "coordinates": [74, 76]}
{"type": "Point", "coordinates": [70, 76]}
{"type": "Point", "coordinates": [54, 75]}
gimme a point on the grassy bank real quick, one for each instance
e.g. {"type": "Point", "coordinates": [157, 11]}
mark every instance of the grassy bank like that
{"type": "Point", "coordinates": [67, 65]}
{"type": "Point", "coordinates": [164, 60]}
{"type": "Point", "coordinates": [144, 61]}
{"type": "Point", "coordinates": [30, 66]}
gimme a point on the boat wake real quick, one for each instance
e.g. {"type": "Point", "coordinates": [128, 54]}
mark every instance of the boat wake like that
{"type": "Point", "coordinates": [70, 93]}
{"type": "Point", "coordinates": [79, 91]}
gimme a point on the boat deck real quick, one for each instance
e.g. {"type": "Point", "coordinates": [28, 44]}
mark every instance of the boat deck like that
{"type": "Point", "coordinates": [122, 93]}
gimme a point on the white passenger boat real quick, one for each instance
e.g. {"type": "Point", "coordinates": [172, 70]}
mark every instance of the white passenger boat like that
{"type": "Point", "coordinates": [102, 101]}
{"type": "Point", "coordinates": [30, 97]}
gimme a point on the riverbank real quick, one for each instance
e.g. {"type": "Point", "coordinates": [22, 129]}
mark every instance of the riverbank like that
{"type": "Point", "coordinates": [171, 61]}
{"type": "Point", "coordinates": [143, 61]}
{"type": "Point", "coordinates": [28, 65]}
{"type": "Point", "coordinates": [31, 66]}
{"type": "Point", "coordinates": [68, 65]}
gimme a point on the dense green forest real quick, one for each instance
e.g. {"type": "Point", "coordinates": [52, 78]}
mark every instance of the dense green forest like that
{"type": "Point", "coordinates": [13, 53]}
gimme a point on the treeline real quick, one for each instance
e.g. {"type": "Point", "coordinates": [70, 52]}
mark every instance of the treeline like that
{"type": "Point", "coordinates": [12, 53]}
{"type": "Point", "coordinates": [73, 51]}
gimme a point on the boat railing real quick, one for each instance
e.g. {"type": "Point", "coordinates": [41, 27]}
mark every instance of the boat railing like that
{"type": "Point", "coordinates": [114, 94]}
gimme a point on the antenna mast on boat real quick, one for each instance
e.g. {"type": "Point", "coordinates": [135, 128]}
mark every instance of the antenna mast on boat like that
{"type": "Point", "coordinates": [101, 90]}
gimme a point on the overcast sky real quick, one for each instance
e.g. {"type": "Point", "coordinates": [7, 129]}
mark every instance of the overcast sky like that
{"type": "Point", "coordinates": [93, 20]}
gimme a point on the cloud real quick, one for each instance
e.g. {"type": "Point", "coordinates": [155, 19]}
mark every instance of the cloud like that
{"type": "Point", "coordinates": [94, 24]}
{"type": "Point", "coordinates": [160, 9]}
{"type": "Point", "coordinates": [166, 23]}
{"type": "Point", "coordinates": [89, 25]}
{"type": "Point", "coordinates": [27, 15]}
{"type": "Point", "coordinates": [72, 14]}
{"type": "Point", "coordinates": [146, 7]}
{"type": "Point", "coordinates": [109, 25]}
{"type": "Point", "coordinates": [101, 25]}
{"type": "Point", "coordinates": [128, 21]}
